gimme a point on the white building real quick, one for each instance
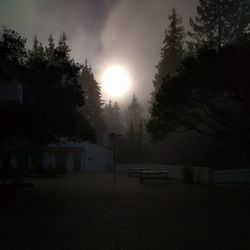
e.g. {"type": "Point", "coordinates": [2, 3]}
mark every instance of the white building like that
{"type": "Point", "coordinates": [80, 157]}
{"type": "Point", "coordinates": [67, 157]}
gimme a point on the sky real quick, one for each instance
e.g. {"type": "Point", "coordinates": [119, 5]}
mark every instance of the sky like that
{"type": "Point", "coordinates": [106, 32]}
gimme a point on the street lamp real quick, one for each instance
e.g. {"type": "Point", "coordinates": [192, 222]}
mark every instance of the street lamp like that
{"type": "Point", "coordinates": [114, 137]}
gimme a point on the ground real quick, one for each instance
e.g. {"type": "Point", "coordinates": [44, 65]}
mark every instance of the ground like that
{"type": "Point", "coordinates": [91, 211]}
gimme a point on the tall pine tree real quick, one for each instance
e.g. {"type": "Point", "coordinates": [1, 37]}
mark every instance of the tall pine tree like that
{"type": "Point", "coordinates": [36, 56]}
{"type": "Point", "coordinates": [92, 110]}
{"type": "Point", "coordinates": [134, 114]}
{"type": "Point", "coordinates": [50, 49]}
{"type": "Point", "coordinates": [57, 94]}
{"type": "Point", "coordinates": [171, 52]}
{"type": "Point", "coordinates": [135, 136]}
{"type": "Point", "coordinates": [219, 22]}
{"type": "Point", "coordinates": [63, 49]}
{"type": "Point", "coordinates": [113, 118]}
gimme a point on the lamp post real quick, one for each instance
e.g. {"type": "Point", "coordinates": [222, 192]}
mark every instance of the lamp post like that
{"type": "Point", "coordinates": [114, 137]}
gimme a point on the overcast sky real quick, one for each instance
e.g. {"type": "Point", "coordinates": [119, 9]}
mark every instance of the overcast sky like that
{"type": "Point", "coordinates": [125, 32]}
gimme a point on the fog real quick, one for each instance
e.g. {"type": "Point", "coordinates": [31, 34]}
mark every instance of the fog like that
{"type": "Point", "coordinates": [133, 35]}
{"type": "Point", "coordinates": [125, 32]}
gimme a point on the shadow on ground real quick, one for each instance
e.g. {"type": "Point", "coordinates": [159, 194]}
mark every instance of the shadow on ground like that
{"type": "Point", "coordinates": [91, 211]}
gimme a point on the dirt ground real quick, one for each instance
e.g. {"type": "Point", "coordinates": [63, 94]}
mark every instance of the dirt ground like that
{"type": "Point", "coordinates": [91, 211]}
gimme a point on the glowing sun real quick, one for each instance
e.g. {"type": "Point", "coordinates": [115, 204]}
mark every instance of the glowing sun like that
{"type": "Point", "coordinates": [116, 81]}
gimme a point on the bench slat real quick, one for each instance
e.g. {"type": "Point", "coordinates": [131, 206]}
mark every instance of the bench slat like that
{"type": "Point", "coordinates": [137, 170]}
{"type": "Point", "coordinates": [153, 172]}
{"type": "Point", "coordinates": [153, 175]}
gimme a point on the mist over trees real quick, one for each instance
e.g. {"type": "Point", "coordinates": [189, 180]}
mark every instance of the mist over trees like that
{"type": "Point", "coordinates": [133, 114]}
{"type": "Point", "coordinates": [201, 85]}
{"type": "Point", "coordinates": [128, 122]}
{"type": "Point", "coordinates": [133, 141]}
{"type": "Point", "coordinates": [113, 118]}
{"type": "Point", "coordinates": [135, 123]}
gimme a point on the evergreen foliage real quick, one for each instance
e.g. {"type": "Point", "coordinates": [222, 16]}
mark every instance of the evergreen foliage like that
{"type": "Point", "coordinates": [92, 109]}
{"type": "Point", "coordinates": [219, 22]}
{"type": "Point", "coordinates": [135, 136]}
{"type": "Point", "coordinates": [12, 48]}
{"type": "Point", "coordinates": [55, 97]}
{"type": "Point", "coordinates": [134, 114]}
{"type": "Point", "coordinates": [113, 118]}
{"type": "Point", "coordinates": [242, 20]}
{"type": "Point", "coordinates": [171, 52]}
{"type": "Point", "coordinates": [132, 144]}
{"type": "Point", "coordinates": [210, 95]}
{"type": "Point", "coordinates": [49, 51]}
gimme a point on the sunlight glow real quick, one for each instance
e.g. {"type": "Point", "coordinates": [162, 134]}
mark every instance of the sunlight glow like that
{"type": "Point", "coordinates": [116, 81]}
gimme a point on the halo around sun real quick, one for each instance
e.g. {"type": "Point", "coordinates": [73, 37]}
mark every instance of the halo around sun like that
{"type": "Point", "coordinates": [115, 81]}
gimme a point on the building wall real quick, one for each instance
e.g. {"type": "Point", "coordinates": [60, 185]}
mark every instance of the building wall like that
{"type": "Point", "coordinates": [98, 158]}
{"type": "Point", "coordinates": [91, 157]}
{"type": "Point", "coordinates": [231, 176]}
{"type": "Point", "coordinates": [73, 157]}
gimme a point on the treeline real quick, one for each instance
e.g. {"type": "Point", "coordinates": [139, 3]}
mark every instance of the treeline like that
{"type": "Point", "coordinates": [202, 83]}
{"type": "Point", "coordinates": [201, 86]}
{"type": "Point", "coordinates": [217, 24]}
{"type": "Point", "coordinates": [131, 125]}
{"type": "Point", "coordinates": [61, 98]}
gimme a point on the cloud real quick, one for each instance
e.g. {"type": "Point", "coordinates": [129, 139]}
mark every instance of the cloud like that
{"type": "Point", "coordinates": [82, 21]}
{"type": "Point", "coordinates": [133, 35]}
{"type": "Point", "coordinates": [126, 32]}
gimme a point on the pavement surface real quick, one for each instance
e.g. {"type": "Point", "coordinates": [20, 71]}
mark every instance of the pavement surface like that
{"type": "Point", "coordinates": [91, 211]}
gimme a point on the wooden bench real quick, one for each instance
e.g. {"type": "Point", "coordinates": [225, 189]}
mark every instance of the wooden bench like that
{"type": "Point", "coordinates": [154, 175]}
{"type": "Point", "coordinates": [136, 171]}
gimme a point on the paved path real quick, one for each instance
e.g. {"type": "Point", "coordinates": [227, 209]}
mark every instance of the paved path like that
{"type": "Point", "coordinates": [90, 211]}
